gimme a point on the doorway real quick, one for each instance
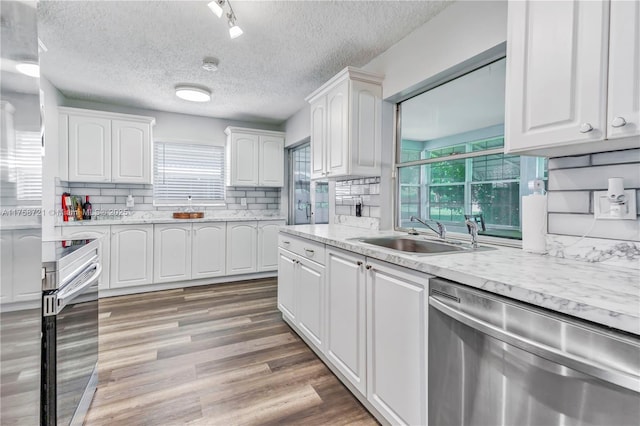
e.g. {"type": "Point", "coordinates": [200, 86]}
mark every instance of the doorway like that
{"type": "Point", "coordinates": [308, 200]}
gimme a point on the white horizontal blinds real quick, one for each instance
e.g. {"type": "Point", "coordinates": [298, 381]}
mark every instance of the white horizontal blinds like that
{"type": "Point", "coordinates": [180, 170]}
{"type": "Point", "coordinates": [28, 161]}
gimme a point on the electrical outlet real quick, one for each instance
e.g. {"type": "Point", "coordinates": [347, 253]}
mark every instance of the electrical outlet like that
{"type": "Point", "coordinates": [243, 201]}
{"type": "Point", "coordinates": [605, 209]}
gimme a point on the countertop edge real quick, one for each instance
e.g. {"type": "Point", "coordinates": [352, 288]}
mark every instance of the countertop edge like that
{"type": "Point", "coordinates": [164, 221]}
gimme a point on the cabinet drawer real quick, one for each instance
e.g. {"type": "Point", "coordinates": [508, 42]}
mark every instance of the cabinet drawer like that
{"type": "Point", "coordinates": [306, 248]}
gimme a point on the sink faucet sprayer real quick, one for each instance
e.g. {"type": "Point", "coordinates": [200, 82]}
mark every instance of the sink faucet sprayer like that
{"type": "Point", "coordinates": [441, 231]}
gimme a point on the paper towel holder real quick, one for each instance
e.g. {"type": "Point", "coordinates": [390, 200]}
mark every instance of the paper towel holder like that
{"type": "Point", "coordinates": [615, 202]}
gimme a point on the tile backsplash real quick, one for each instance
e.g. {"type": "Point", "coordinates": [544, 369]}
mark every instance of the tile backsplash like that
{"type": "Point", "coordinates": [113, 196]}
{"type": "Point", "coordinates": [572, 183]}
{"type": "Point", "coordinates": [367, 190]}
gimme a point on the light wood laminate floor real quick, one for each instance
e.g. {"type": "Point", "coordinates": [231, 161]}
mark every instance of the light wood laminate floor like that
{"type": "Point", "coordinates": [212, 355]}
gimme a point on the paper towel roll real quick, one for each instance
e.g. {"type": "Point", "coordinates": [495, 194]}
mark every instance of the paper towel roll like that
{"type": "Point", "coordinates": [534, 223]}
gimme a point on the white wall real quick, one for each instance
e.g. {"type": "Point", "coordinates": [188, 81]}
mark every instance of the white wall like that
{"type": "Point", "coordinates": [178, 127]}
{"type": "Point", "coordinates": [298, 125]}
{"type": "Point", "coordinates": [51, 160]}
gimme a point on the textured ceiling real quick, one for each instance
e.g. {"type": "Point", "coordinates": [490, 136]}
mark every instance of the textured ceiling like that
{"type": "Point", "coordinates": [134, 52]}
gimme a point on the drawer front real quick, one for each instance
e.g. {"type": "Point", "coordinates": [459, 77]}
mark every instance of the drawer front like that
{"type": "Point", "coordinates": [306, 248]}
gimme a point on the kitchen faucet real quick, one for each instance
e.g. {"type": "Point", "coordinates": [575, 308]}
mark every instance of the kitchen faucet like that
{"type": "Point", "coordinates": [473, 230]}
{"type": "Point", "coordinates": [441, 231]}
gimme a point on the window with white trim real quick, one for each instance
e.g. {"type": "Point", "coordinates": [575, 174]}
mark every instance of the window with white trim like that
{"type": "Point", "coordinates": [181, 170]}
{"type": "Point", "coordinates": [28, 158]}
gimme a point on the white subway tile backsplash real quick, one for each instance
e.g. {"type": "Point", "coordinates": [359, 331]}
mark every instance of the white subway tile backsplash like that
{"type": "Point", "coordinates": [256, 206]}
{"type": "Point", "coordinates": [255, 193]}
{"type": "Point", "coordinates": [374, 211]}
{"type": "Point", "coordinates": [568, 162]}
{"type": "Point", "coordinates": [616, 157]}
{"type": "Point", "coordinates": [569, 202]}
{"type": "Point", "coordinates": [124, 192]}
{"type": "Point", "coordinates": [579, 224]}
{"type": "Point", "coordinates": [101, 199]}
{"type": "Point", "coordinates": [343, 210]}
{"type": "Point", "coordinates": [594, 178]}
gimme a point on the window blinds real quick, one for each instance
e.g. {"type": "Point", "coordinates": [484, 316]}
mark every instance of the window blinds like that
{"type": "Point", "coordinates": [182, 170]}
{"type": "Point", "coordinates": [28, 157]}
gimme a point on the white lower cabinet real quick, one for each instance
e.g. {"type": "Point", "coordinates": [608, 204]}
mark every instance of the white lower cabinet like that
{"type": "Point", "coordinates": [397, 304]}
{"type": "Point", "coordinates": [267, 243]}
{"type": "Point", "coordinates": [208, 252]}
{"type": "Point", "coordinates": [131, 255]}
{"type": "Point", "coordinates": [346, 317]}
{"type": "Point", "coordinates": [373, 317]}
{"type": "Point", "coordinates": [242, 239]}
{"type": "Point", "coordinates": [101, 232]}
{"type": "Point", "coordinates": [309, 288]}
{"type": "Point", "coordinates": [21, 282]}
{"type": "Point", "coordinates": [171, 253]}
{"type": "Point", "coordinates": [286, 282]}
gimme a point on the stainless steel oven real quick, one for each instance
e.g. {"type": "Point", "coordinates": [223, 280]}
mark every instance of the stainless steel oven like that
{"type": "Point", "coordinates": [69, 331]}
{"type": "Point", "coordinates": [493, 361]}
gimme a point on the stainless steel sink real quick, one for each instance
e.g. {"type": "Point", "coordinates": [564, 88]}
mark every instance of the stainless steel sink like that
{"type": "Point", "coordinates": [413, 245]}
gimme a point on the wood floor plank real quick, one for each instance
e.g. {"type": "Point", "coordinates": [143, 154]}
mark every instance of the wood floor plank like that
{"type": "Point", "coordinates": [212, 355]}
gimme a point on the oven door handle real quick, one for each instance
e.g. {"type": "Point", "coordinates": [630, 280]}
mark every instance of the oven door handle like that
{"type": "Point", "coordinates": [64, 297]}
{"type": "Point", "coordinates": [580, 364]}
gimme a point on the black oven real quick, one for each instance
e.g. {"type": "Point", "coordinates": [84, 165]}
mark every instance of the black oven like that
{"type": "Point", "coordinates": [70, 333]}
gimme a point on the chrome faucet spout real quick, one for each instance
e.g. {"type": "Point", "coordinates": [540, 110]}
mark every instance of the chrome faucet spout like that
{"type": "Point", "coordinates": [441, 231]}
{"type": "Point", "coordinates": [473, 231]}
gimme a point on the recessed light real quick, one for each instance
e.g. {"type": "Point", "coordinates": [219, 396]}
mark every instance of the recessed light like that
{"type": "Point", "coordinates": [32, 69]}
{"type": "Point", "coordinates": [193, 94]}
{"type": "Point", "coordinates": [210, 64]}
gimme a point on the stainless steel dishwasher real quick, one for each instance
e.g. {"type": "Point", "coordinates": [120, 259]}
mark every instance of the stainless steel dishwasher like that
{"type": "Point", "coordinates": [493, 361]}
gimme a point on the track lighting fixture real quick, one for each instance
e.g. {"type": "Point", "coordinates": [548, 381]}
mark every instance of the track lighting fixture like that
{"type": "Point", "coordinates": [217, 7]}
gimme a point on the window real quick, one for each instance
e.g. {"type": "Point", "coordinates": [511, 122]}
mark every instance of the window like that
{"type": "Point", "coordinates": [182, 170]}
{"type": "Point", "coordinates": [28, 166]}
{"type": "Point", "coordinates": [451, 156]}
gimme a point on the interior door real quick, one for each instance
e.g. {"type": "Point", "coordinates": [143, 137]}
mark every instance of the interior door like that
{"type": "Point", "coordinates": [308, 200]}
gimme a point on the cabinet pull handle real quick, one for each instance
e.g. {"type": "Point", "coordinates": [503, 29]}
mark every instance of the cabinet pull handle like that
{"type": "Point", "coordinates": [309, 251]}
{"type": "Point", "coordinates": [618, 122]}
{"type": "Point", "coordinates": [286, 242]}
{"type": "Point", "coordinates": [586, 128]}
{"type": "Point", "coordinates": [359, 263]}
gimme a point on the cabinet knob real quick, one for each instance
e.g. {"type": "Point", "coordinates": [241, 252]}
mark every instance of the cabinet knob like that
{"type": "Point", "coordinates": [586, 128]}
{"type": "Point", "coordinates": [359, 263]}
{"type": "Point", "coordinates": [368, 266]}
{"type": "Point", "coordinates": [618, 122]}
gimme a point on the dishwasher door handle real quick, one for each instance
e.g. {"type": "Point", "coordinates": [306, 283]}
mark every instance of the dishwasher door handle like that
{"type": "Point", "coordinates": [582, 365]}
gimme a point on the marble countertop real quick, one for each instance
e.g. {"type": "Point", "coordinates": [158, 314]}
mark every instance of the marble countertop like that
{"type": "Point", "coordinates": [157, 220]}
{"type": "Point", "coordinates": [606, 295]}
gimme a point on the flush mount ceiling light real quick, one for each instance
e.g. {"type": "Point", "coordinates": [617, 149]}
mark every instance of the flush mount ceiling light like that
{"type": "Point", "coordinates": [193, 93]}
{"type": "Point", "coordinates": [217, 7]}
{"type": "Point", "coordinates": [31, 69]}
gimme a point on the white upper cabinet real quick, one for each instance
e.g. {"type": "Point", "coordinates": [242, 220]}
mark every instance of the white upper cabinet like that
{"type": "Point", "coordinates": [89, 149]}
{"type": "Point", "coordinates": [98, 146]}
{"type": "Point", "coordinates": [569, 77]}
{"type": "Point", "coordinates": [346, 127]}
{"type": "Point", "coordinates": [131, 152]}
{"type": "Point", "coordinates": [623, 111]}
{"type": "Point", "coordinates": [254, 157]}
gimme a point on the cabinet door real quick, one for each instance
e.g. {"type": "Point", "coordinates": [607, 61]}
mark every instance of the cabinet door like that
{"type": "Point", "coordinates": [556, 74]}
{"type": "Point", "coordinates": [131, 152]}
{"type": "Point", "coordinates": [241, 247]}
{"type": "Point", "coordinates": [171, 253]}
{"type": "Point", "coordinates": [396, 344]}
{"type": "Point", "coordinates": [131, 255]}
{"type": "Point", "coordinates": [271, 169]}
{"type": "Point", "coordinates": [286, 281]}
{"type": "Point", "coordinates": [6, 266]}
{"type": "Point", "coordinates": [366, 128]}
{"type": "Point", "coordinates": [346, 320]}
{"type": "Point", "coordinates": [309, 294]}
{"type": "Point", "coordinates": [101, 232]}
{"type": "Point", "coordinates": [338, 130]}
{"type": "Point", "coordinates": [208, 252]}
{"type": "Point", "coordinates": [318, 138]}
{"type": "Point", "coordinates": [623, 112]}
{"type": "Point", "coordinates": [244, 160]}
{"type": "Point", "coordinates": [27, 252]}
{"type": "Point", "coordinates": [267, 245]}
{"type": "Point", "coordinates": [89, 149]}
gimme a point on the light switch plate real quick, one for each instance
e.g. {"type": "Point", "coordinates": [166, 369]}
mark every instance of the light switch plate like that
{"type": "Point", "coordinates": [602, 206]}
{"type": "Point", "coordinates": [243, 201]}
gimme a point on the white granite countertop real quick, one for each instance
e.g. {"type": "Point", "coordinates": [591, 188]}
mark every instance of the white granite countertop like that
{"type": "Point", "coordinates": [160, 220]}
{"type": "Point", "coordinates": [606, 295]}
